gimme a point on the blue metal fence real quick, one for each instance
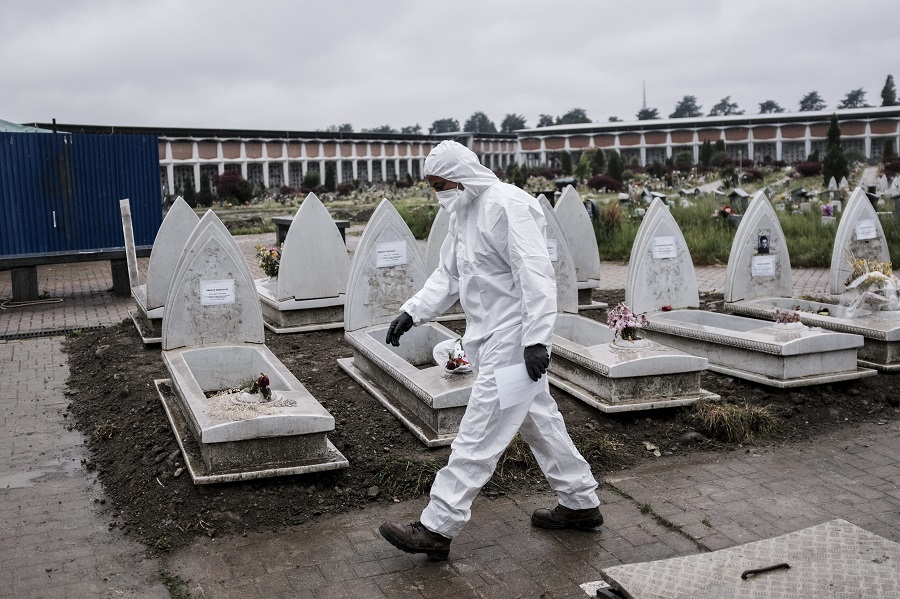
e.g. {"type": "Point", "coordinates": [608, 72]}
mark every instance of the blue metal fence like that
{"type": "Point", "coordinates": [61, 192]}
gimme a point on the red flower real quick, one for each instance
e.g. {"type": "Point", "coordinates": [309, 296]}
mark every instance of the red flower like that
{"type": "Point", "coordinates": [667, 308]}
{"type": "Point", "coordinates": [262, 381]}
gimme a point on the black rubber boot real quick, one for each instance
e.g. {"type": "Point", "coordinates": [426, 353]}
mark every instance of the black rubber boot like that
{"type": "Point", "coordinates": [415, 538]}
{"type": "Point", "coordinates": [563, 517]}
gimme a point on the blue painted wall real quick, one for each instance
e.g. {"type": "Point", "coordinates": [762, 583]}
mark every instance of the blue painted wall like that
{"type": "Point", "coordinates": [61, 192]}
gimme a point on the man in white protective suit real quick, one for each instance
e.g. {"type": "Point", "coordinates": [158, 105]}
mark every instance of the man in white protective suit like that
{"type": "Point", "coordinates": [495, 261]}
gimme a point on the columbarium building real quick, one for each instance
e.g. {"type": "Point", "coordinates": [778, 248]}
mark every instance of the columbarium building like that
{"type": "Point", "coordinates": [275, 158]}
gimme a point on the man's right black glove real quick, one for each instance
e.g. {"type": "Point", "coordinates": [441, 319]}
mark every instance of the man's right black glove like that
{"type": "Point", "coordinates": [536, 361]}
{"type": "Point", "coordinates": [399, 325]}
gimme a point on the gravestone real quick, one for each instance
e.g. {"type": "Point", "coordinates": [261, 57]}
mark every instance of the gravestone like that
{"type": "Point", "coordinates": [440, 228]}
{"type": "Point", "coordinates": [562, 260]}
{"type": "Point", "coordinates": [168, 245]}
{"type": "Point", "coordinates": [388, 269]}
{"type": "Point", "coordinates": [213, 341]}
{"type": "Point", "coordinates": [579, 233]}
{"type": "Point", "coordinates": [660, 271]}
{"type": "Point", "coordinates": [832, 185]}
{"type": "Point", "coordinates": [309, 292]}
{"type": "Point", "coordinates": [754, 271]}
{"type": "Point", "coordinates": [661, 282]}
{"type": "Point", "coordinates": [844, 184]}
{"type": "Point", "coordinates": [605, 373]}
{"type": "Point", "coordinates": [859, 235]}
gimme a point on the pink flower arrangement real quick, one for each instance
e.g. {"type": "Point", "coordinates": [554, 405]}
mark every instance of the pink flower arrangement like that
{"type": "Point", "coordinates": [827, 210]}
{"type": "Point", "coordinates": [625, 323]}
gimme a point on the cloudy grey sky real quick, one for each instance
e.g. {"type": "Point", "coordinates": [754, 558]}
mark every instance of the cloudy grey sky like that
{"type": "Point", "coordinates": [308, 64]}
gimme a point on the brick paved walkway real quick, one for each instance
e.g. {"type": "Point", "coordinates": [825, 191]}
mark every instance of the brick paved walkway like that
{"type": "Point", "coordinates": [57, 539]}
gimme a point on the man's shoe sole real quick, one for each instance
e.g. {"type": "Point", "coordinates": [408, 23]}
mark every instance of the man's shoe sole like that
{"type": "Point", "coordinates": [590, 524]}
{"type": "Point", "coordinates": [435, 554]}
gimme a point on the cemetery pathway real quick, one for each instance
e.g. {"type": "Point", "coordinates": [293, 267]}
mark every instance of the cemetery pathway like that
{"type": "Point", "coordinates": [60, 538]}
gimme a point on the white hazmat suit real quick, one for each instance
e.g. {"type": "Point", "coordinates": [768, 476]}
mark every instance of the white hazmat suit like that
{"type": "Point", "coordinates": [495, 261]}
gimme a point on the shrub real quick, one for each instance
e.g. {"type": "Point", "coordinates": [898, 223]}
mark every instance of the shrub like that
{"type": "Point", "coordinates": [418, 218]}
{"type": "Point", "coordinates": [345, 188]}
{"type": "Point", "coordinates": [311, 180]}
{"type": "Point", "coordinates": [231, 186]}
{"type": "Point", "coordinates": [402, 184]}
{"type": "Point", "coordinates": [604, 182]}
{"type": "Point", "coordinates": [286, 190]}
{"type": "Point", "coordinates": [808, 169]}
{"type": "Point", "coordinates": [753, 174]}
{"type": "Point", "coordinates": [892, 167]}
{"type": "Point", "coordinates": [330, 176]}
{"type": "Point", "coordinates": [611, 217]}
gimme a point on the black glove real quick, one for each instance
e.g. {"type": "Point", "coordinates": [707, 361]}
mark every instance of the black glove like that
{"type": "Point", "coordinates": [399, 325]}
{"type": "Point", "coordinates": [536, 361]}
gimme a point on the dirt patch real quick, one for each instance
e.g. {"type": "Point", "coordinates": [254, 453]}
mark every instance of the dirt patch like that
{"type": "Point", "coordinates": [115, 405]}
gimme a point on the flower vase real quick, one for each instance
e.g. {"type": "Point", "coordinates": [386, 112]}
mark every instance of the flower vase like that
{"type": "Point", "coordinates": [629, 344]}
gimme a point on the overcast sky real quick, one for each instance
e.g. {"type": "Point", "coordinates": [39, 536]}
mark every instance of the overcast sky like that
{"type": "Point", "coordinates": [304, 64]}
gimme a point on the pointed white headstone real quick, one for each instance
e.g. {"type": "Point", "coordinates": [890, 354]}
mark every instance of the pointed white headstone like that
{"type": "Point", "coordinates": [387, 270]}
{"type": "Point", "coordinates": [562, 259]}
{"type": "Point", "coordinates": [844, 184]}
{"type": "Point", "coordinates": [759, 264]}
{"type": "Point", "coordinates": [832, 185]}
{"type": "Point", "coordinates": [436, 236]}
{"type": "Point", "coordinates": [859, 235]}
{"type": "Point", "coordinates": [314, 261]}
{"type": "Point", "coordinates": [134, 278]}
{"type": "Point", "coordinates": [576, 224]}
{"type": "Point", "coordinates": [168, 246]}
{"type": "Point", "coordinates": [212, 298]}
{"type": "Point", "coordinates": [660, 270]}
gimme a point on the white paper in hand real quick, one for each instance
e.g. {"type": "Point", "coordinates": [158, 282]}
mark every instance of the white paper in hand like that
{"type": "Point", "coordinates": [515, 386]}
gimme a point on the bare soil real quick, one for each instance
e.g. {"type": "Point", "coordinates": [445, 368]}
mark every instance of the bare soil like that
{"type": "Point", "coordinates": [116, 406]}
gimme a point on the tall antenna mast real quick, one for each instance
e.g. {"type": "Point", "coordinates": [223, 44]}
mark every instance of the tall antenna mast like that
{"type": "Point", "coordinates": [644, 83]}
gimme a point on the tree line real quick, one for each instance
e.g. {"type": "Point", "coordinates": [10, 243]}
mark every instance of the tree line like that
{"type": "Point", "coordinates": [687, 107]}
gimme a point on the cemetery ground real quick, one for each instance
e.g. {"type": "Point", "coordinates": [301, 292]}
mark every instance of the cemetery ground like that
{"type": "Point", "coordinates": [114, 404]}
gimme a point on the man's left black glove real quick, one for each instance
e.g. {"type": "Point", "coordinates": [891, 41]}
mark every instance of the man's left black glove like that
{"type": "Point", "coordinates": [399, 325]}
{"type": "Point", "coordinates": [536, 361]}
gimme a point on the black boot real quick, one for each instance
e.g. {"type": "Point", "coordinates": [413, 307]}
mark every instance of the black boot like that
{"type": "Point", "coordinates": [563, 517]}
{"type": "Point", "coordinates": [415, 538]}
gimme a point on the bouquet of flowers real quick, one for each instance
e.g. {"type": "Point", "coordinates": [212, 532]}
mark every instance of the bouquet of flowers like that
{"type": "Point", "coordinates": [456, 358]}
{"type": "Point", "coordinates": [269, 259]}
{"type": "Point", "coordinates": [786, 317]}
{"type": "Point", "coordinates": [827, 210]}
{"type": "Point", "coordinates": [261, 386]}
{"type": "Point", "coordinates": [625, 323]}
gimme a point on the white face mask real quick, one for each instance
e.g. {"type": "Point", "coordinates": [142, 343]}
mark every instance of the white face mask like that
{"type": "Point", "coordinates": [449, 198]}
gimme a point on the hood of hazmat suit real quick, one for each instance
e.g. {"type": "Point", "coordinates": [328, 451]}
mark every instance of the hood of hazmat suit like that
{"type": "Point", "coordinates": [494, 260]}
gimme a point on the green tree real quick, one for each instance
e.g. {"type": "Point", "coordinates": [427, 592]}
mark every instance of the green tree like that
{"type": "Point", "coordinates": [381, 129]}
{"type": "Point", "coordinates": [598, 161]}
{"type": "Point", "coordinates": [565, 160]}
{"type": "Point", "coordinates": [444, 126]}
{"type": "Point", "coordinates": [725, 107]}
{"type": "Point", "coordinates": [518, 177]}
{"type": "Point", "coordinates": [412, 129]}
{"type": "Point", "coordinates": [512, 122]}
{"type": "Point", "coordinates": [769, 106]}
{"type": "Point", "coordinates": [647, 114]}
{"type": "Point", "coordinates": [545, 120]}
{"type": "Point", "coordinates": [614, 119]}
{"type": "Point", "coordinates": [889, 92]}
{"type": "Point", "coordinates": [684, 160]}
{"type": "Point", "coordinates": [812, 101]}
{"type": "Point", "coordinates": [888, 151]}
{"type": "Point", "coordinates": [190, 194]}
{"type": "Point", "coordinates": [573, 117]}
{"type": "Point", "coordinates": [614, 166]}
{"type": "Point", "coordinates": [479, 123]}
{"type": "Point", "coordinates": [345, 128]}
{"type": "Point", "coordinates": [311, 179]}
{"type": "Point", "coordinates": [706, 153]}
{"type": "Point", "coordinates": [687, 107]}
{"type": "Point", "coordinates": [855, 98]}
{"type": "Point", "coordinates": [836, 164]}
{"type": "Point", "coordinates": [205, 198]}
{"type": "Point", "coordinates": [583, 168]}
{"type": "Point", "coordinates": [330, 176]}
